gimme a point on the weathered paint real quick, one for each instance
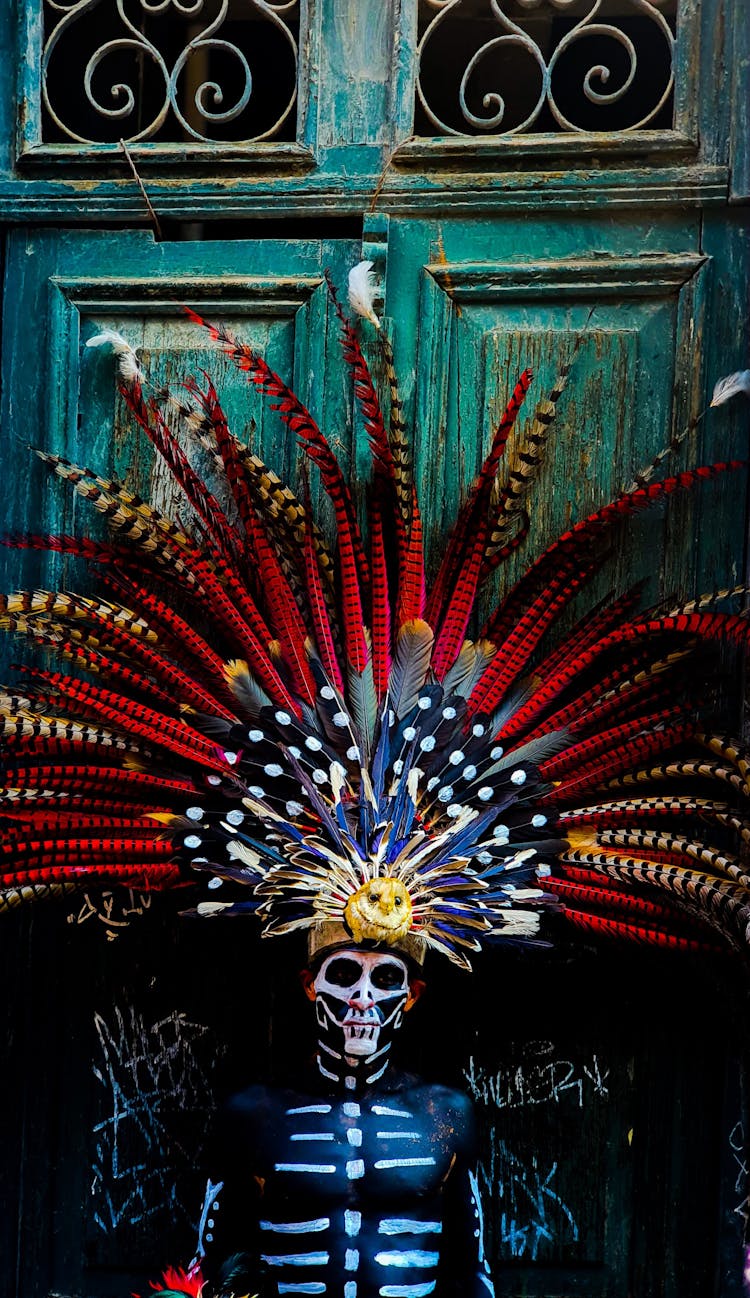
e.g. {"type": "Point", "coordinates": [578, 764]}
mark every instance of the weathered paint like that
{"type": "Point", "coordinates": [492, 256]}
{"type": "Point", "coordinates": [356, 95]}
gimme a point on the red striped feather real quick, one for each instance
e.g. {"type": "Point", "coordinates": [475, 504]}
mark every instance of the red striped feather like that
{"type": "Point", "coordinates": [574, 715]}
{"type": "Point", "coordinates": [163, 618]}
{"type": "Point", "coordinates": [76, 776]}
{"type": "Point", "coordinates": [81, 547]}
{"type": "Point", "coordinates": [600, 925]}
{"type": "Point", "coordinates": [473, 514]}
{"type": "Point", "coordinates": [45, 821]}
{"type": "Point", "coordinates": [582, 754]}
{"type": "Point", "coordinates": [590, 530]}
{"type": "Point", "coordinates": [87, 851]}
{"type": "Point", "coordinates": [611, 898]}
{"type": "Point", "coordinates": [613, 763]}
{"type": "Point", "coordinates": [318, 604]}
{"type": "Point", "coordinates": [145, 874]}
{"type": "Point", "coordinates": [135, 718]}
{"type": "Point", "coordinates": [285, 615]}
{"type": "Point", "coordinates": [120, 672]}
{"type": "Point", "coordinates": [225, 444]}
{"type": "Point", "coordinates": [153, 423]}
{"type": "Point", "coordinates": [591, 629]}
{"type": "Point", "coordinates": [515, 652]}
{"type": "Point", "coordinates": [455, 621]}
{"type": "Point", "coordinates": [720, 626]}
{"type": "Point", "coordinates": [367, 397]}
{"type": "Point", "coordinates": [302, 424]}
{"type": "Point", "coordinates": [352, 564]}
{"type": "Point", "coordinates": [412, 593]}
{"type": "Point", "coordinates": [380, 627]}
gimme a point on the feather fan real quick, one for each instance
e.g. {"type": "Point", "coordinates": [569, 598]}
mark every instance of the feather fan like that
{"type": "Point", "coordinates": [249, 701]}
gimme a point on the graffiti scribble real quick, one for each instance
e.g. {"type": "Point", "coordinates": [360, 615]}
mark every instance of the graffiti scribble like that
{"type": "Point", "coordinates": [533, 1213]}
{"type": "Point", "coordinates": [155, 1099]}
{"type": "Point", "coordinates": [538, 1081]}
{"type": "Point", "coordinates": [114, 910]}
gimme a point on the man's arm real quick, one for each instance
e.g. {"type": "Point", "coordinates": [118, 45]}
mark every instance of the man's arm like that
{"type": "Point", "coordinates": [230, 1236]}
{"type": "Point", "coordinates": [464, 1270]}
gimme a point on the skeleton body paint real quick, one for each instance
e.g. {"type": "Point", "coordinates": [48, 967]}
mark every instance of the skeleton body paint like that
{"type": "Point", "coordinates": [358, 1183]}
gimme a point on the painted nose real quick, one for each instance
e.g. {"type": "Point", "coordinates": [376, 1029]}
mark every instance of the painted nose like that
{"type": "Point", "coordinates": [362, 997]}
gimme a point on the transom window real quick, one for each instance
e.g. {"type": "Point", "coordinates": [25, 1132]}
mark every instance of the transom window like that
{"type": "Point", "coordinates": [506, 67]}
{"type": "Point", "coordinates": [169, 71]}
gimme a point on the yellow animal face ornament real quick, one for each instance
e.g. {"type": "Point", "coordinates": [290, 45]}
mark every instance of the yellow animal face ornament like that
{"type": "Point", "coordinates": [379, 911]}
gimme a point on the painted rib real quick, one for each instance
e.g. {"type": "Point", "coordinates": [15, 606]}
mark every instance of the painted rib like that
{"type": "Point", "coordinates": [407, 1257]}
{"type": "Point", "coordinates": [407, 1290]}
{"type": "Point", "coordinates": [310, 1108]}
{"type": "Point", "coordinates": [295, 1259]}
{"type": "Point", "coordinates": [311, 1286]}
{"type": "Point", "coordinates": [323, 1168]}
{"type": "Point", "coordinates": [398, 1135]}
{"type": "Point", "coordinates": [409, 1226]}
{"type": "Point", "coordinates": [312, 1135]}
{"type": "Point", "coordinates": [382, 1111]}
{"type": "Point", "coordinates": [384, 1163]}
{"type": "Point", "coordinates": [296, 1227]}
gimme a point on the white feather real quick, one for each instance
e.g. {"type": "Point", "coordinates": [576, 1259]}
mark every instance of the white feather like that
{"type": "Point", "coordinates": [363, 291]}
{"type": "Point", "coordinates": [729, 387]}
{"type": "Point", "coordinates": [127, 359]}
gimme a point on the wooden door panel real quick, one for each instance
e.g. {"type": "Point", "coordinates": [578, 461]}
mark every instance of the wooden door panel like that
{"type": "Point", "coordinates": [62, 396]}
{"type": "Point", "coordinates": [482, 323]}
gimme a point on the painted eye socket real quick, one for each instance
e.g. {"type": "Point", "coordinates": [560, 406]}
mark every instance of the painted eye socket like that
{"type": "Point", "coordinates": [373, 897]}
{"type": "Point", "coordinates": [387, 977]}
{"type": "Point", "coordinates": [343, 973]}
{"type": "Point", "coordinates": [399, 901]}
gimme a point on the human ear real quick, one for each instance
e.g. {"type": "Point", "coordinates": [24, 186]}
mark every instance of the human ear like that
{"type": "Point", "coordinates": [416, 987]}
{"type": "Point", "coordinates": [307, 978]}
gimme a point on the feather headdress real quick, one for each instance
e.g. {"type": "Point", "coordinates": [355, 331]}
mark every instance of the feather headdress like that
{"type": "Point", "coordinates": [311, 732]}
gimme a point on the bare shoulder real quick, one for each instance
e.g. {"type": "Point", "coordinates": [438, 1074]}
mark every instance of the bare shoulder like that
{"type": "Point", "coordinates": [445, 1105]}
{"type": "Point", "coordinates": [254, 1105]}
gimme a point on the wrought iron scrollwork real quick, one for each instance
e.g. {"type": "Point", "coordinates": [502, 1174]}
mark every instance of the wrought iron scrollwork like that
{"type": "Point", "coordinates": [186, 78]}
{"type": "Point", "coordinates": [540, 50]}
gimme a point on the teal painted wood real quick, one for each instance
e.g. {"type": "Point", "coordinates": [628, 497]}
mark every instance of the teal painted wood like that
{"type": "Point", "coordinates": [480, 313]}
{"type": "Point", "coordinates": [61, 396]}
{"type": "Point", "coordinates": [468, 316]}
{"type": "Point", "coordinates": [355, 146]}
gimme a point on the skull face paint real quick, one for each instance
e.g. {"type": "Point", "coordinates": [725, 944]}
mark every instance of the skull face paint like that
{"type": "Point", "coordinates": [359, 1001]}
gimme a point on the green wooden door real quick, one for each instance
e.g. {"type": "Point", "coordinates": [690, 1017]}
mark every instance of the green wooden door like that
{"type": "Point", "coordinates": [607, 1083]}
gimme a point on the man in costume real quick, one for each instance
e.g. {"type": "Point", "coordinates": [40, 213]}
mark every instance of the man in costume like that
{"type": "Point", "coordinates": [359, 1180]}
